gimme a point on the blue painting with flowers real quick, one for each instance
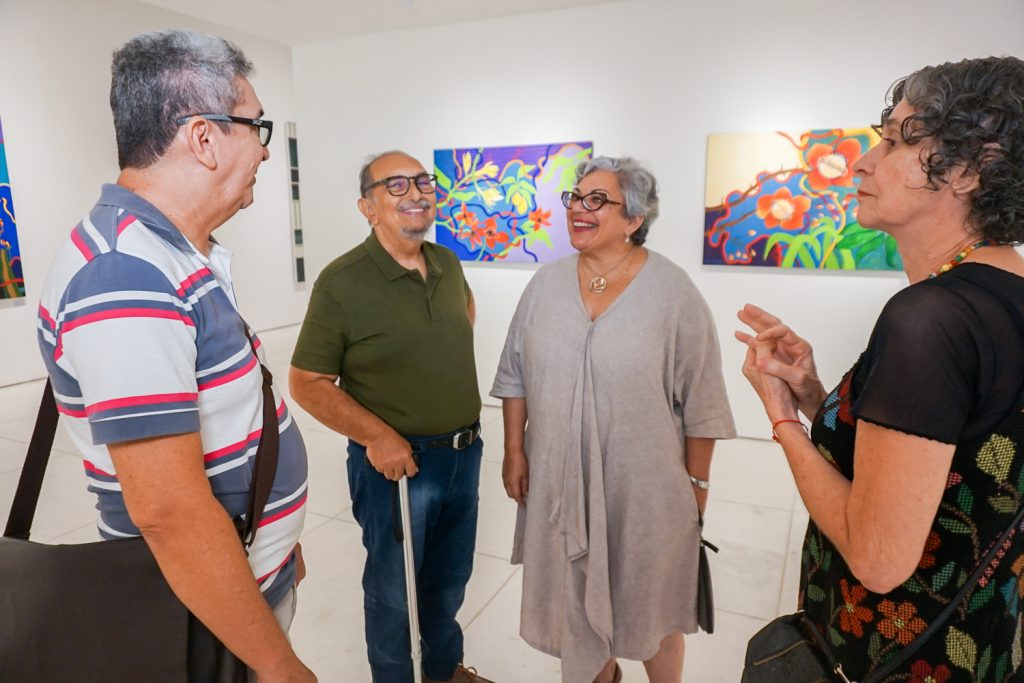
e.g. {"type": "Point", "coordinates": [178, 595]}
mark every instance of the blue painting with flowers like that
{"type": "Point", "coordinates": [12, 282]}
{"type": "Point", "coordinates": [789, 200]}
{"type": "Point", "coordinates": [502, 204]}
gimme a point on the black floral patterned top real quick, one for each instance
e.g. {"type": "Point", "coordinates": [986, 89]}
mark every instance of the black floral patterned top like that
{"type": "Point", "coordinates": [946, 362]}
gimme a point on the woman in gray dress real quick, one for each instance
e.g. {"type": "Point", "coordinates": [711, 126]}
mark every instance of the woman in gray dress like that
{"type": "Point", "coordinates": [614, 351]}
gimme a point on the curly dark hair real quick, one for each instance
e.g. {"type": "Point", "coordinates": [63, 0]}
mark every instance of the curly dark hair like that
{"type": "Point", "coordinates": [972, 114]}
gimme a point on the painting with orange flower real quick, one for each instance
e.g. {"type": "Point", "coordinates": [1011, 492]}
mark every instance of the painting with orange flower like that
{"type": "Point", "coordinates": [789, 200]}
{"type": "Point", "coordinates": [502, 204]}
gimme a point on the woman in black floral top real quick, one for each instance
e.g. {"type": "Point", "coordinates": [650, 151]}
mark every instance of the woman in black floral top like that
{"type": "Point", "coordinates": [914, 464]}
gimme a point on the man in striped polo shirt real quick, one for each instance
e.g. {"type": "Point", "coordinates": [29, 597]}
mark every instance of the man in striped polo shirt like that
{"type": "Point", "coordinates": [150, 361]}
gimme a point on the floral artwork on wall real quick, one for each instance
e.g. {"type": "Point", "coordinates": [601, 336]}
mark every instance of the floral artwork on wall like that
{"type": "Point", "coordinates": [503, 203]}
{"type": "Point", "coordinates": [12, 283]}
{"type": "Point", "coordinates": [789, 200]}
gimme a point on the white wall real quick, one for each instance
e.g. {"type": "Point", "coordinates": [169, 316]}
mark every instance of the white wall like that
{"type": "Point", "coordinates": [59, 139]}
{"type": "Point", "coordinates": [646, 78]}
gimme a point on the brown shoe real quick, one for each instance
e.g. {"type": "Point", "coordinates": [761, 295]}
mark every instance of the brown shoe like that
{"type": "Point", "coordinates": [462, 675]}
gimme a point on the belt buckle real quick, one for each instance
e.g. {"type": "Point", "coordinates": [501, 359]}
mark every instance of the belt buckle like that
{"type": "Point", "coordinates": [462, 439]}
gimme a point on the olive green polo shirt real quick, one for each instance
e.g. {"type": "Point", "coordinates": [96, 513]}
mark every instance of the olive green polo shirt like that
{"type": "Point", "coordinates": [403, 347]}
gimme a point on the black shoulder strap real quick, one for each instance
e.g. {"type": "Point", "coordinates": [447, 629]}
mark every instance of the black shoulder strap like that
{"type": "Point", "coordinates": [23, 508]}
{"type": "Point", "coordinates": [265, 466]}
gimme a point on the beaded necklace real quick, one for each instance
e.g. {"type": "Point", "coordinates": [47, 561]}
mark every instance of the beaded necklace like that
{"type": "Point", "coordinates": [958, 258]}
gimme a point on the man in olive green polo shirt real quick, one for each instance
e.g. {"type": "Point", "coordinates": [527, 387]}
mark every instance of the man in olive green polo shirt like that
{"type": "Point", "coordinates": [392, 319]}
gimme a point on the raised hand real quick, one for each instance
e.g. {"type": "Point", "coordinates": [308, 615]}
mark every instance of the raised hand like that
{"type": "Point", "coordinates": [790, 357]}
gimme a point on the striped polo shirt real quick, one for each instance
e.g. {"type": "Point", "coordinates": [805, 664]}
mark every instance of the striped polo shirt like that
{"type": "Point", "coordinates": [141, 338]}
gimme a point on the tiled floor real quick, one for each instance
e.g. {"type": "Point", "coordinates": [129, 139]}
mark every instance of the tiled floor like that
{"type": "Point", "coordinates": [755, 517]}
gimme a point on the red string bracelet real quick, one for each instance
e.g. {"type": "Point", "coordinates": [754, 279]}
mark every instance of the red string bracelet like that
{"type": "Point", "coordinates": [775, 436]}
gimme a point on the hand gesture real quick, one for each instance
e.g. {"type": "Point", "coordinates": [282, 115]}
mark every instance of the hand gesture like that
{"type": "Point", "coordinates": [391, 455]}
{"type": "Point", "coordinates": [787, 357]}
{"type": "Point", "coordinates": [515, 473]}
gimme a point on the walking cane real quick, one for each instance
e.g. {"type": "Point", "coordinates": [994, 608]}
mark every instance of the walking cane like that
{"type": "Point", "coordinates": [410, 578]}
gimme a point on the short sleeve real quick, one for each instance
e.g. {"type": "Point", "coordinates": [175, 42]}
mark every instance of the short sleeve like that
{"type": "Point", "coordinates": [129, 340]}
{"type": "Point", "coordinates": [920, 372]}
{"type": "Point", "coordinates": [509, 381]}
{"type": "Point", "coordinates": [699, 391]}
{"type": "Point", "coordinates": [323, 339]}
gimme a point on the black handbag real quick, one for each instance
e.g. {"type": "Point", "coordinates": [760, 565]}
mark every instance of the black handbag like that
{"type": "Point", "coordinates": [789, 649]}
{"type": "Point", "coordinates": [103, 611]}
{"type": "Point", "coordinates": [705, 594]}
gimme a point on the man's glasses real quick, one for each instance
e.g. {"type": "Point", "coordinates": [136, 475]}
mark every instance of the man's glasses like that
{"type": "Point", "coordinates": [398, 185]}
{"type": "Point", "coordinates": [590, 202]}
{"type": "Point", "coordinates": [265, 127]}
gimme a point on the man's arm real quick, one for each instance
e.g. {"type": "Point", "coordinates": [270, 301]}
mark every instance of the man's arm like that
{"type": "Point", "coordinates": [199, 552]}
{"type": "Point", "coordinates": [321, 397]}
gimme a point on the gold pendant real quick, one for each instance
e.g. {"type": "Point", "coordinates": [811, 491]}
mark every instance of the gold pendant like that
{"type": "Point", "coordinates": [598, 284]}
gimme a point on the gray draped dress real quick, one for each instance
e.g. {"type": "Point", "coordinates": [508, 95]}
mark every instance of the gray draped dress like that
{"type": "Point", "coordinates": [609, 535]}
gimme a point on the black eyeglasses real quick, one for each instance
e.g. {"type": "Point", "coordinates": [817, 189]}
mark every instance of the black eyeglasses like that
{"type": "Point", "coordinates": [591, 202]}
{"type": "Point", "coordinates": [398, 185]}
{"type": "Point", "coordinates": [265, 127]}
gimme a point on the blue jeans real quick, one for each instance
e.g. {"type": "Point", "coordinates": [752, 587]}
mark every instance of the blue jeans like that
{"type": "Point", "coordinates": [443, 499]}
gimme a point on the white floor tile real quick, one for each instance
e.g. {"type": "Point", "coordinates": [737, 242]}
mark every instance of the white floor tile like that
{"type": "Point", "coordinates": [64, 504]}
{"type": "Point", "coordinates": [497, 521]}
{"type": "Point", "coordinates": [328, 477]}
{"type": "Point", "coordinates": [752, 472]}
{"type": "Point", "coordinates": [791, 575]}
{"type": "Point", "coordinates": [747, 572]}
{"type": "Point", "coordinates": [493, 435]}
{"type": "Point", "coordinates": [20, 429]}
{"type": "Point", "coordinates": [328, 630]}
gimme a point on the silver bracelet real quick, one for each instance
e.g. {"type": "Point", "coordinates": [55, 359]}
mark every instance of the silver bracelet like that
{"type": "Point", "coordinates": [702, 484]}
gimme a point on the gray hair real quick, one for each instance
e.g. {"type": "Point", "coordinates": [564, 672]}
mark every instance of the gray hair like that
{"type": "Point", "coordinates": [639, 187]}
{"type": "Point", "coordinates": [158, 77]}
{"type": "Point", "coordinates": [364, 173]}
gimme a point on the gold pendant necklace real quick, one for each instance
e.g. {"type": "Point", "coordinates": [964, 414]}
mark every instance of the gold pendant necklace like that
{"type": "Point", "coordinates": [599, 283]}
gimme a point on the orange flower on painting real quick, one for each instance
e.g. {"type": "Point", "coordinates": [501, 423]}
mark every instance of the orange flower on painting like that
{"type": "Point", "coordinates": [540, 218]}
{"type": "Point", "coordinates": [901, 623]}
{"type": "Point", "coordinates": [832, 165]}
{"type": "Point", "coordinates": [852, 616]}
{"type": "Point", "coordinates": [466, 216]}
{"type": "Point", "coordinates": [489, 233]}
{"type": "Point", "coordinates": [782, 208]}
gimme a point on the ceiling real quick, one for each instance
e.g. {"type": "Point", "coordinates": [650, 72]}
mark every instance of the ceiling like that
{"type": "Point", "coordinates": [305, 21]}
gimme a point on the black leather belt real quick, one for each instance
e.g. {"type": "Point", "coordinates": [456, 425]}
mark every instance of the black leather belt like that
{"type": "Point", "coordinates": [460, 439]}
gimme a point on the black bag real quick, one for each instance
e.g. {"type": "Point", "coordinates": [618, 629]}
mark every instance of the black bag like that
{"type": "Point", "coordinates": [790, 650]}
{"type": "Point", "coordinates": [705, 594]}
{"type": "Point", "coordinates": [103, 611]}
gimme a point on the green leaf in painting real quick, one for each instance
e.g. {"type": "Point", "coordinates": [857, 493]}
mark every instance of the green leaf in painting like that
{"type": "Point", "coordinates": [442, 180]}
